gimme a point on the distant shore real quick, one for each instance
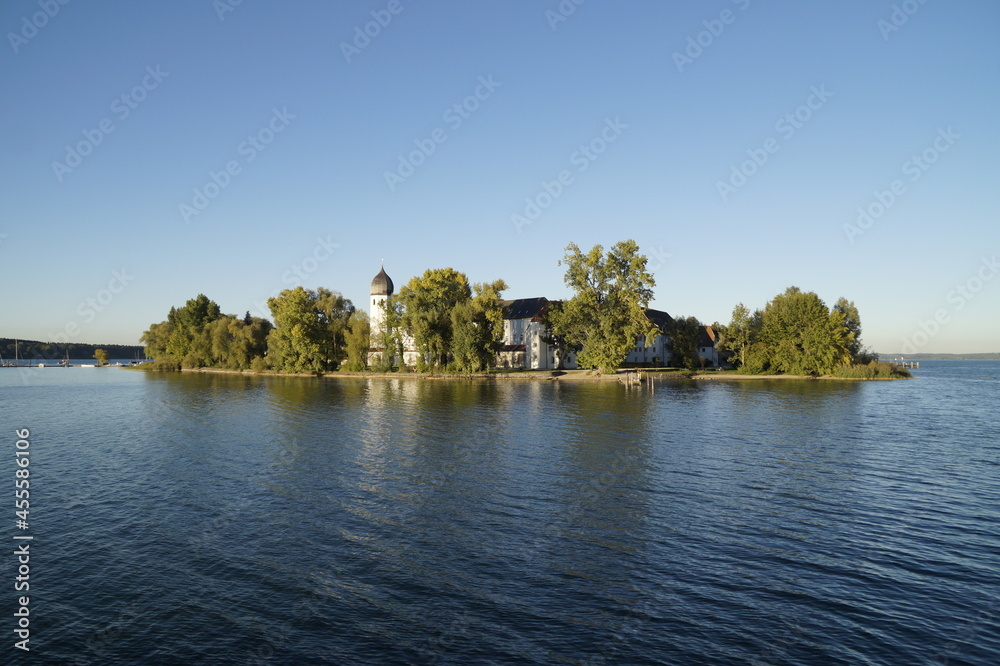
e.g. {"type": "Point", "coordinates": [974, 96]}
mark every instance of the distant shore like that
{"type": "Point", "coordinates": [573, 376]}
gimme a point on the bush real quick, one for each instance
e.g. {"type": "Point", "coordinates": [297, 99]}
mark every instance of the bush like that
{"type": "Point", "coordinates": [872, 370]}
{"type": "Point", "coordinates": [166, 364]}
{"type": "Point", "coordinates": [259, 364]}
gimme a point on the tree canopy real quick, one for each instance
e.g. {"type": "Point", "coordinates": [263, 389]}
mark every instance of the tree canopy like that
{"type": "Point", "coordinates": [298, 340]}
{"type": "Point", "coordinates": [477, 328]}
{"type": "Point", "coordinates": [684, 333]}
{"type": "Point", "coordinates": [457, 326]}
{"type": "Point", "coordinates": [428, 301]}
{"type": "Point", "coordinates": [795, 333]}
{"type": "Point", "coordinates": [357, 341]}
{"type": "Point", "coordinates": [607, 312]}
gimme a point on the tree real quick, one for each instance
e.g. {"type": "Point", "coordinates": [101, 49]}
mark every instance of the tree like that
{"type": "Point", "coordinates": [175, 338]}
{"type": "Point", "coordinates": [561, 346]}
{"type": "Point", "coordinates": [357, 342]}
{"type": "Point", "coordinates": [250, 341]}
{"type": "Point", "coordinates": [296, 343]}
{"type": "Point", "coordinates": [684, 333]}
{"type": "Point", "coordinates": [852, 320]}
{"type": "Point", "coordinates": [334, 312]}
{"type": "Point", "coordinates": [606, 315]}
{"type": "Point", "coordinates": [477, 328]}
{"type": "Point", "coordinates": [428, 301]}
{"type": "Point", "coordinates": [737, 337]}
{"type": "Point", "coordinates": [388, 338]}
{"type": "Point", "coordinates": [231, 343]}
{"type": "Point", "coordinates": [102, 356]}
{"type": "Point", "coordinates": [156, 338]}
{"type": "Point", "coordinates": [187, 323]}
{"type": "Point", "coordinates": [799, 335]}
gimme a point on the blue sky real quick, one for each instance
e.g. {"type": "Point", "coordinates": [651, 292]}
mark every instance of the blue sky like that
{"type": "Point", "coordinates": [154, 151]}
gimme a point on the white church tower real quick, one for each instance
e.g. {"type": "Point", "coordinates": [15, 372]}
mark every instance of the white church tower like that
{"type": "Point", "coordinates": [381, 290]}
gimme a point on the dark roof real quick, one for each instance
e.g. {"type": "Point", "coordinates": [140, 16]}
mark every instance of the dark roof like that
{"type": "Point", "coordinates": [706, 337]}
{"type": "Point", "coordinates": [525, 308]}
{"type": "Point", "coordinates": [659, 318]}
{"type": "Point", "coordinates": [512, 348]}
{"type": "Point", "coordinates": [382, 284]}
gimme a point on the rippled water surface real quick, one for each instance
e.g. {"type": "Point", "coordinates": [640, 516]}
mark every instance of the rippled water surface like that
{"type": "Point", "coordinates": [222, 519]}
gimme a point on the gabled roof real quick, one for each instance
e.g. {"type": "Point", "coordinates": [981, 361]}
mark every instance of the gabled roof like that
{"type": "Point", "coordinates": [660, 319]}
{"type": "Point", "coordinates": [525, 308]}
{"type": "Point", "coordinates": [706, 336]}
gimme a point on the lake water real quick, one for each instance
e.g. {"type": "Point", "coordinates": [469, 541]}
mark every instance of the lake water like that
{"type": "Point", "coordinates": [221, 519]}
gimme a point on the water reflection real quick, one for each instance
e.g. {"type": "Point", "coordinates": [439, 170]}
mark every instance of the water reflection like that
{"type": "Point", "coordinates": [547, 521]}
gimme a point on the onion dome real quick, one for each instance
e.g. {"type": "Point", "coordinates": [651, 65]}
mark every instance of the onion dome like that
{"type": "Point", "coordinates": [382, 284]}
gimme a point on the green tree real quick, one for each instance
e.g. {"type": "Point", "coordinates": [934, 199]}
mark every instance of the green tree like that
{"type": "Point", "coordinates": [251, 340]}
{"type": "Point", "coordinates": [297, 342]}
{"type": "Point", "coordinates": [102, 356]}
{"type": "Point", "coordinates": [561, 346]}
{"type": "Point", "coordinates": [229, 342]}
{"type": "Point", "coordinates": [737, 337]}
{"type": "Point", "coordinates": [683, 342]}
{"type": "Point", "coordinates": [606, 314]}
{"type": "Point", "coordinates": [334, 313]}
{"type": "Point", "coordinates": [477, 328]}
{"type": "Point", "coordinates": [852, 320]}
{"type": "Point", "coordinates": [388, 339]}
{"type": "Point", "coordinates": [799, 335]}
{"type": "Point", "coordinates": [428, 301]}
{"type": "Point", "coordinates": [357, 342]}
{"type": "Point", "coordinates": [187, 323]}
{"type": "Point", "coordinates": [176, 338]}
{"type": "Point", "coordinates": [156, 338]}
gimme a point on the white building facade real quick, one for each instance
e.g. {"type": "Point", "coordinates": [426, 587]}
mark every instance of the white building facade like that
{"type": "Point", "coordinates": [524, 338]}
{"type": "Point", "coordinates": [656, 352]}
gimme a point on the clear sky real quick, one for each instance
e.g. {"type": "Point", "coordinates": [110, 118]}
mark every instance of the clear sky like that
{"type": "Point", "coordinates": [155, 151]}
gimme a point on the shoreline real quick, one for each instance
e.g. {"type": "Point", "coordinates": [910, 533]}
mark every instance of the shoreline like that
{"type": "Point", "coordinates": [571, 376]}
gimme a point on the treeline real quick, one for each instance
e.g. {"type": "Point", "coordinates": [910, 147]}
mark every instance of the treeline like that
{"type": "Point", "coordinates": [450, 323]}
{"type": "Point", "coordinates": [453, 325]}
{"type": "Point", "coordinates": [35, 350]}
{"type": "Point", "coordinates": [795, 333]}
